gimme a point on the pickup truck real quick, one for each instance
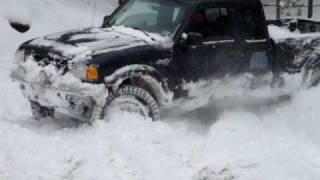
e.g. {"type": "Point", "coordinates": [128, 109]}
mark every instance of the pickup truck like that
{"type": "Point", "coordinates": [144, 52]}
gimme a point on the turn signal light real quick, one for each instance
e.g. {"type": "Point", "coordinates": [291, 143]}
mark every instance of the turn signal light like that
{"type": "Point", "coordinates": [92, 73]}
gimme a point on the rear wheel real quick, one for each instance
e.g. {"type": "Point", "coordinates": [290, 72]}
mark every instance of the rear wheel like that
{"type": "Point", "coordinates": [311, 78]}
{"type": "Point", "coordinates": [131, 99]}
{"type": "Point", "coordinates": [39, 112]}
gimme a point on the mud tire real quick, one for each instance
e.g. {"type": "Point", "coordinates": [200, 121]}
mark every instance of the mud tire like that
{"type": "Point", "coordinates": [140, 95]}
{"type": "Point", "coordinates": [311, 78]}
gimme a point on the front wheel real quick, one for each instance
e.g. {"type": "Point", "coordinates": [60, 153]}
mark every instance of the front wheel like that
{"type": "Point", "coordinates": [131, 99]}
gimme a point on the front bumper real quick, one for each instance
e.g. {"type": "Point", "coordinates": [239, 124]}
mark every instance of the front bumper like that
{"type": "Point", "coordinates": [82, 101]}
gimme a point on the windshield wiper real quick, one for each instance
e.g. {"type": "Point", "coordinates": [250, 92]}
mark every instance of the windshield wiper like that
{"type": "Point", "coordinates": [147, 34]}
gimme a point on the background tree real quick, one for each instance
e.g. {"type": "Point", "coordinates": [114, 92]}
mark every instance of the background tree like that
{"type": "Point", "coordinates": [310, 8]}
{"type": "Point", "coordinates": [294, 8]}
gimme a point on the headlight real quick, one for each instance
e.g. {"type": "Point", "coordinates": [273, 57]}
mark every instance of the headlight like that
{"type": "Point", "coordinates": [19, 57]}
{"type": "Point", "coordinates": [85, 72]}
{"type": "Point", "coordinates": [79, 70]}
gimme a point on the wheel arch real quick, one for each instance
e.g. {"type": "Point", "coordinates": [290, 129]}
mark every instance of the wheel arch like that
{"type": "Point", "coordinates": [142, 76]}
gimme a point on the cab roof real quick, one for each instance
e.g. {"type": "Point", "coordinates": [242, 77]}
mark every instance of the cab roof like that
{"type": "Point", "coordinates": [220, 1]}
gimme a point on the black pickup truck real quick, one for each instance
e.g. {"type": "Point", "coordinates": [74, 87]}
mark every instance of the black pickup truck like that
{"type": "Point", "coordinates": [146, 50]}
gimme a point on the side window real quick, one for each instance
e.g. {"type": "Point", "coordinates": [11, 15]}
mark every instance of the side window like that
{"type": "Point", "coordinates": [212, 23]}
{"type": "Point", "coordinates": [251, 20]}
{"type": "Point", "coordinates": [214, 13]}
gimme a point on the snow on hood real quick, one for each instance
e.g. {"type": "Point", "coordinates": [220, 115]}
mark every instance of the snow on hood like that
{"type": "Point", "coordinates": [81, 44]}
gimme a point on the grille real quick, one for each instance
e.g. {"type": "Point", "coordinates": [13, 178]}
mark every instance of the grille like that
{"type": "Point", "coordinates": [44, 60]}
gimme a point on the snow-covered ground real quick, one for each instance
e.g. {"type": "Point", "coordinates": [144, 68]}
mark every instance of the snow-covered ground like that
{"type": "Point", "coordinates": [252, 141]}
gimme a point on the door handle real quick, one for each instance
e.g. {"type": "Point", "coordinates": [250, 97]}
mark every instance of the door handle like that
{"type": "Point", "coordinates": [219, 42]}
{"type": "Point", "coordinates": [214, 44]}
{"type": "Point", "coordinates": [256, 41]}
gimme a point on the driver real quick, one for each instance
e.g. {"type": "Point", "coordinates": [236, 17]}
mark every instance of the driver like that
{"type": "Point", "coordinates": [200, 23]}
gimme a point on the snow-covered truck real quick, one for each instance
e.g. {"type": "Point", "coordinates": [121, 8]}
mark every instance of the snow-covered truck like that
{"type": "Point", "coordinates": [144, 52]}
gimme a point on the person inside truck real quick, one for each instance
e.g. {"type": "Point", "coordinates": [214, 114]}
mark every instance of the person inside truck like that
{"type": "Point", "coordinates": [211, 23]}
{"type": "Point", "coordinates": [200, 23]}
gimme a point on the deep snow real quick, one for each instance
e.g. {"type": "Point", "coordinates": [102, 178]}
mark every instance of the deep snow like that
{"type": "Point", "coordinates": [218, 142]}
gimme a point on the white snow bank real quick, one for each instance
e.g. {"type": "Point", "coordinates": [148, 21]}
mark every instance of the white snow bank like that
{"type": "Point", "coordinates": [281, 142]}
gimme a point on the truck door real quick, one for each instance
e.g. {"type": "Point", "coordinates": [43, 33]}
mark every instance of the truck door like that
{"type": "Point", "coordinates": [225, 55]}
{"type": "Point", "coordinates": [217, 53]}
{"type": "Point", "coordinates": [254, 38]}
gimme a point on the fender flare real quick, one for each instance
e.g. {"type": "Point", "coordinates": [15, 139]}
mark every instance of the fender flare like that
{"type": "Point", "coordinates": [147, 73]}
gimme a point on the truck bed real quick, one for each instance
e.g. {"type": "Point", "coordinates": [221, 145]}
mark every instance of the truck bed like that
{"type": "Point", "coordinates": [296, 49]}
{"type": "Point", "coordinates": [304, 25]}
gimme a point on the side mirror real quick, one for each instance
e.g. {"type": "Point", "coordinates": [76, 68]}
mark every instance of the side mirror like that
{"type": "Point", "coordinates": [106, 20]}
{"type": "Point", "coordinates": [20, 27]}
{"type": "Point", "coordinates": [192, 38]}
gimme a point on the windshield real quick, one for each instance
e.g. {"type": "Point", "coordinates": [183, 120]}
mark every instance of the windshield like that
{"type": "Point", "coordinates": [156, 16]}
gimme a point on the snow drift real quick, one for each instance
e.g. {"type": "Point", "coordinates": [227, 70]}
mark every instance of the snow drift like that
{"type": "Point", "coordinates": [256, 141]}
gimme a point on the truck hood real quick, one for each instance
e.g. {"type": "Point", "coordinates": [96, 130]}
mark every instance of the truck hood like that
{"type": "Point", "coordinates": [77, 45]}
